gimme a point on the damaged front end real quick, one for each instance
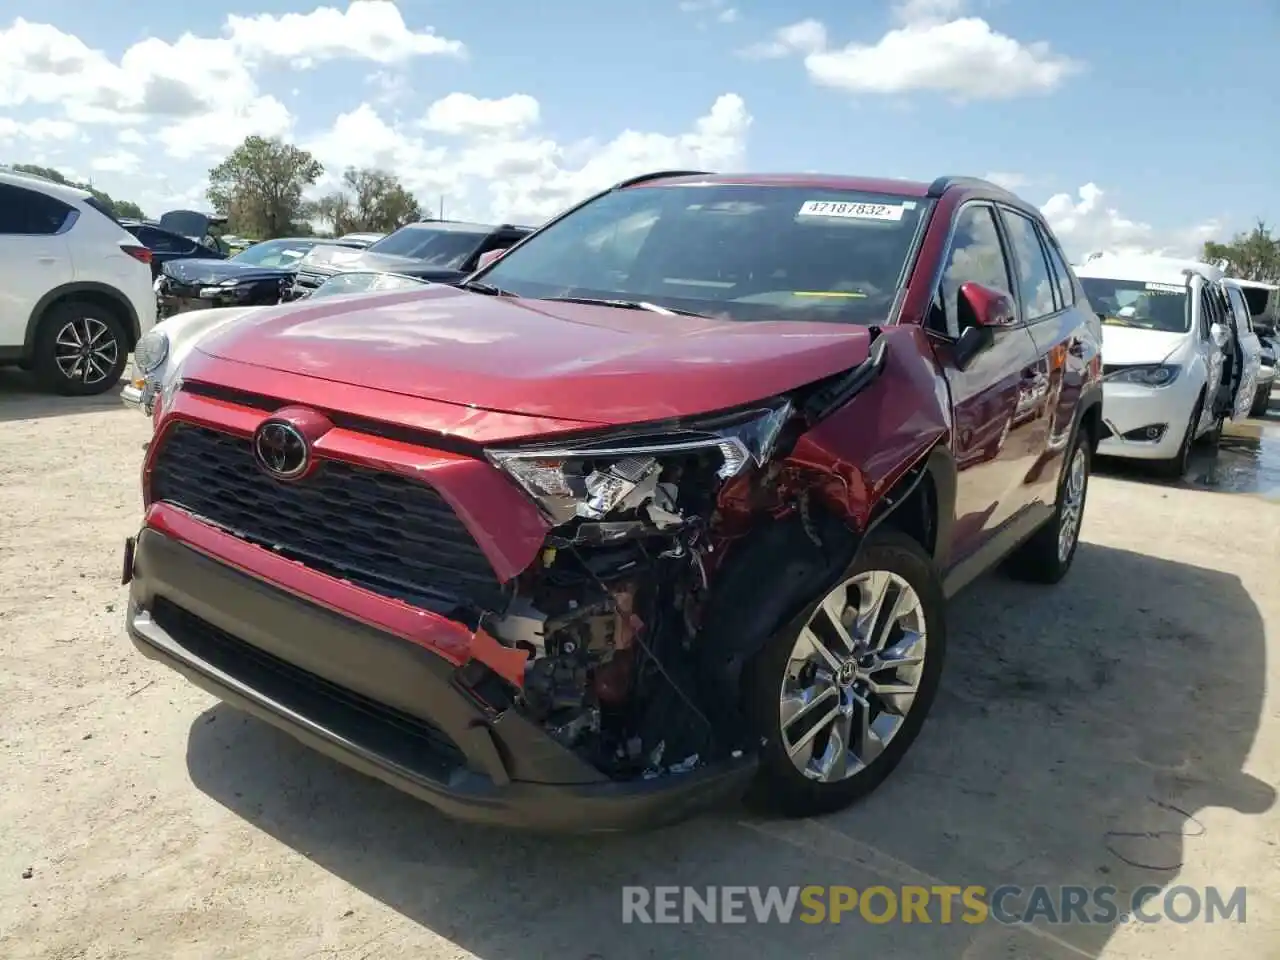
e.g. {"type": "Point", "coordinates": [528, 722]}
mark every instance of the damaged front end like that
{"type": "Point", "coordinates": [612, 614]}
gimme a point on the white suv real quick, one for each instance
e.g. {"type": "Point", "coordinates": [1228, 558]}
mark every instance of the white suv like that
{"type": "Point", "coordinates": [75, 286]}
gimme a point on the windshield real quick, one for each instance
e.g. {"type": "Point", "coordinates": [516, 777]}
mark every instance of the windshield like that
{"type": "Point", "coordinates": [346, 283]}
{"type": "Point", "coordinates": [449, 249]}
{"type": "Point", "coordinates": [1133, 303]}
{"type": "Point", "coordinates": [274, 253]}
{"type": "Point", "coordinates": [734, 252]}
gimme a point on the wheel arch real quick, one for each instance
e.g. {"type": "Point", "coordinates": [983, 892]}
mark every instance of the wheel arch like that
{"type": "Point", "coordinates": [1089, 418]}
{"type": "Point", "coordinates": [801, 558]}
{"type": "Point", "coordinates": [100, 294]}
{"type": "Point", "coordinates": [922, 504]}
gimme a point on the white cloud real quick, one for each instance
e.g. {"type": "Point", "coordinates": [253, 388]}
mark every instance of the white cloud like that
{"type": "Point", "coordinates": [132, 138]}
{"type": "Point", "coordinates": [189, 85]}
{"type": "Point", "coordinates": [36, 131]}
{"type": "Point", "coordinates": [804, 37]}
{"type": "Point", "coordinates": [122, 161]}
{"type": "Point", "coordinates": [718, 10]}
{"type": "Point", "coordinates": [933, 49]}
{"type": "Point", "coordinates": [928, 11]}
{"type": "Point", "coordinates": [367, 30]}
{"type": "Point", "coordinates": [461, 113]}
{"type": "Point", "coordinates": [515, 174]}
{"type": "Point", "coordinates": [218, 131]}
{"type": "Point", "coordinates": [1085, 223]}
{"type": "Point", "coordinates": [1010, 181]}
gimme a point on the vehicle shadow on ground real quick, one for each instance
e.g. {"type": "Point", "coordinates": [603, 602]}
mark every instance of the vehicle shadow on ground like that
{"type": "Point", "coordinates": [22, 399]}
{"type": "Point", "coordinates": [1076, 736]}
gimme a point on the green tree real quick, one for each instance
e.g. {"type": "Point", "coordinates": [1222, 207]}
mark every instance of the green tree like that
{"type": "Point", "coordinates": [259, 187]}
{"type": "Point", "coordinates": [369, 201]}
{"type": "Point", "coordinates": [121, 208]}
{"type": "Point", "coordinates": [1254, 255]}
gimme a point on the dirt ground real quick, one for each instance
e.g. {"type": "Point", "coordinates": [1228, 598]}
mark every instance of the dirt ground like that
{"type": "Point", "coordinates": [1122, 728]}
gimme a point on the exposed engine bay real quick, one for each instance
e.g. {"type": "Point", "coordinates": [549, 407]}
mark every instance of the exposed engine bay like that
{"type": "Point", "coordinates": [609, 609]}
{"type": "Point", "coordinates": [611, 612]}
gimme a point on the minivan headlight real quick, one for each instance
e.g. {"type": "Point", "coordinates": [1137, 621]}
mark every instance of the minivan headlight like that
{"type": "Point", "coordinates": [1151, 375]}
{"type": "Point", "coordinates": [595, 477]}
{"type": "Point", "coordinates": [151, 351]}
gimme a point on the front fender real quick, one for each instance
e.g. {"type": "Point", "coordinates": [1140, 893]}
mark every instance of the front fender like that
{"type": "Point", "coordinates": [857, 454]}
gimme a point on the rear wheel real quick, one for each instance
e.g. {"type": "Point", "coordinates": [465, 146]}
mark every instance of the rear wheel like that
{"type": "Point", "coordinates": [81, 349]}
{"type": "Point", "coordinates": [1047, 556]}
{"type": "Point", "coordinates": [838, 704]}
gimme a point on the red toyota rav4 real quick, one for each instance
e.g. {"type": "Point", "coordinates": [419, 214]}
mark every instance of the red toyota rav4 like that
{"type": "Point", "coordinates": [661, 507]}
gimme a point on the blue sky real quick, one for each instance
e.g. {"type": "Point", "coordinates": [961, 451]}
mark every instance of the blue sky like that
{"type": "Point", "coordinates": [1166, 111]}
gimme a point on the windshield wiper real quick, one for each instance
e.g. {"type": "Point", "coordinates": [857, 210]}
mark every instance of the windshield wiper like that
{"type": "Point", "coordinates": [627, 305]}
{"type": "Point", "coordinates": [488, 289]}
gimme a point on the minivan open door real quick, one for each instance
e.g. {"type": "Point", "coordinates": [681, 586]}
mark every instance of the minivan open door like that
{"type": "Point", "coordinates": [1248, 353]}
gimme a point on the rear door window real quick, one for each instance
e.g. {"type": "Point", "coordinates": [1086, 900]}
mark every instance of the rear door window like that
{"type": "Point", "coordinates": [31, 213]}
{"type": "Point", "coordinates": [1035, 282]}
{"type": "Point", "coordinates": [1061, 272]}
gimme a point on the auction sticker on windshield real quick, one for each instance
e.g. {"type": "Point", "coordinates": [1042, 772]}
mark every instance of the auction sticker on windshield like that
{"type": "Point", "coordinates": [851, 211]}
{"type": "Point", "coordinates": [1165, 288]}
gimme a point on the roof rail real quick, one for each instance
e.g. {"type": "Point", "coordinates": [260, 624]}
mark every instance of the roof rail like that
{"type": "Point", "coordinates": [943, 184]}
{"type": "Point", "coordinates": [660, 175]}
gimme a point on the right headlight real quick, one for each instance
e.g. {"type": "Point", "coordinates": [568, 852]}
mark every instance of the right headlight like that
{"type": "Point", "coordinates": [1150, 375]}
{"type": "Point", "coordinates": [151, 351]}
{"type": "Point", "coordinates": [596, 477]}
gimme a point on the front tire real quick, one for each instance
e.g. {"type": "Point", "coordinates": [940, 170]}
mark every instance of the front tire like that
{"type": "Point", "coordinates": [1176, 466]}
{"type": "Point", "coordinates": [80, 350]}
{"type": "Point", "coordinates": [838, 704]}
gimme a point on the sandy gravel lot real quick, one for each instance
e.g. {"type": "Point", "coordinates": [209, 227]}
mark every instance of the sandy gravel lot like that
{"type": "Point", "coordinates": [1120, 729]}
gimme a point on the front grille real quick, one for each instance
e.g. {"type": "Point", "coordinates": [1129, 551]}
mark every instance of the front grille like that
{"type": "Point", "coordinates": [382, 531]}
{"type": "Point", "coordinates": [413, 742]}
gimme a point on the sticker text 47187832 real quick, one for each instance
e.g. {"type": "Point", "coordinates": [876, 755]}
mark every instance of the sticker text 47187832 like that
{"type": "Point", "coordinates": [852, 211]}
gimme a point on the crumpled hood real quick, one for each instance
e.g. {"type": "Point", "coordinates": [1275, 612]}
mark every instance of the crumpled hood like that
{"type": "Point", "coordinates": [1132, 345]}
{"type": "Point", "coordinates": [331, 259]}
{"type": "Point", "coordinates": [204, 272]}
{"type": "Point", "coordinates": [567, 361]}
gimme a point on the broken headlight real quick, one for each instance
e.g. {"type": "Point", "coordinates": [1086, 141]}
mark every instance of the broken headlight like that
{"type": "Point", "coordinates": [595, 477]}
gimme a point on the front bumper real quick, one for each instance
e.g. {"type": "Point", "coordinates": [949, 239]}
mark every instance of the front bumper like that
{"type": "Point", "coordinates": [1129, 409]}
{"type": "Point", "coordinates": [382, 705]}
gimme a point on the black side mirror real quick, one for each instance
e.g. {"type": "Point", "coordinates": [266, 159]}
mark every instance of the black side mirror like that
{"type": "Point", "coordinates": [983, 310]}
{"type": "Point", "coordinates": [972, 342]}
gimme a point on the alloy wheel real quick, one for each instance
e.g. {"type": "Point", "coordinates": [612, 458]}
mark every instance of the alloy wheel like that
{"type": "Point", "coordinates": [852, 676]}
{"type": "Point", "coordinates": [1072, 505]}
{"type": "Point", "coordinates": [86, 350]}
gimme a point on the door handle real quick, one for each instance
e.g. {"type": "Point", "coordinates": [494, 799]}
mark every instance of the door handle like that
{"type": "Point", "coordinates": [47, 259]}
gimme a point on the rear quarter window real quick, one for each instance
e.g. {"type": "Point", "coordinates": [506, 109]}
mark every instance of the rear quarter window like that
{"type": "Point", "coordinates": [102, 208]}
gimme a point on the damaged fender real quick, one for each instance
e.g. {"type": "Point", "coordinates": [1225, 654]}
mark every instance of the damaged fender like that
{"type": "Point", "coordinates": [865, 461]}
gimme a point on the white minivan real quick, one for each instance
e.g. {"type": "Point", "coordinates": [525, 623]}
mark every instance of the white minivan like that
{"type": "Point", "coordinates": [1175, 364]}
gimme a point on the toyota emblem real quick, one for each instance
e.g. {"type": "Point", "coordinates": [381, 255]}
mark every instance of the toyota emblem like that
{"type": "Point", "coordinates": [281, 450]}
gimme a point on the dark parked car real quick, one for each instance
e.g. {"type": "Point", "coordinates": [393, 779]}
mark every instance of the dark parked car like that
{"type": "Point", "coordinates": [166, 246]}
{"type": "Point", "coordinates": [664, 505]}
{"type": "Point", "coordinates": [256, 276]}
{"type": "Point", "coordinates": [440, 251]}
